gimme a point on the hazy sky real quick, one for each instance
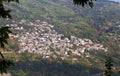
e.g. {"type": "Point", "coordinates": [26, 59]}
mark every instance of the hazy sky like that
{"type": "Point", "coordinates": [115, 0]}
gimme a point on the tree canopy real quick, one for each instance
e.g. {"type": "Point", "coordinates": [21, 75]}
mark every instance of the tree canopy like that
{"type": "Point", "coordinates": [84, 2]}
{"type": "Point", "coordinates": [4, 35]}
{"type": "Point", "coordinates": [6, 13]}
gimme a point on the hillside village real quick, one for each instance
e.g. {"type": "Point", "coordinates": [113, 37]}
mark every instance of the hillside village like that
{"type": "Point", "coordinates": [42, 39]}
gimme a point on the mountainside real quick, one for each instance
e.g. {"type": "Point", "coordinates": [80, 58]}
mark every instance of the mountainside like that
{"type": "Point", "coordinates": [40, 38]}
{"type": "Point", "coordinates": [63, 14]}
{"type": "Point", "coordinates": [100, 23]}
{"type": "Point", "coordinates": [40, 44]}
{"type": "Point", "coordinates": [57, 29]}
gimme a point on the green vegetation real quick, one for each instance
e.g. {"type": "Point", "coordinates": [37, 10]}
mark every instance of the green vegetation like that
{"type": "Point", "coordinates": [33, 64]}
{"type": "Point", "coordinates": [108, 65]}
{"type": "Point", "coordinates": [98, 24]}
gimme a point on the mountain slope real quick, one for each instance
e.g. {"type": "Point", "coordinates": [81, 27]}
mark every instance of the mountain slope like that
{"type": "Point", "coordinates": [99, 24]}
{"type": "Point", "coordinates": [69, 19]}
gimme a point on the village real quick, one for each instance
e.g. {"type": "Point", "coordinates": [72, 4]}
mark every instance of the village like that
{"type": "Point", "coordinates": [43, 40]}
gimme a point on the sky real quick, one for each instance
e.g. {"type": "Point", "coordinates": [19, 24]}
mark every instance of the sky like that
{"type": "Point", "coordinates": [116, 0]}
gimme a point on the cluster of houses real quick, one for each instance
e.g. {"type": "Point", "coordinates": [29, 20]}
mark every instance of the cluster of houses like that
{"type": "Point", "coordinates": [40, 38]}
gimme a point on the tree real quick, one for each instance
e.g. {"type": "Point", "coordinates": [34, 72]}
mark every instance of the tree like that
{"type": "Point", "coordinates": [108, 65]}
{"type": "Point", "coordinates": [4, 35]}
{"type": "Point", "coordinates": [6, 13]}
{"type": "Point", "coordinates": [4, 31]}
{"type": "Point", "coordinates": [84, 2]}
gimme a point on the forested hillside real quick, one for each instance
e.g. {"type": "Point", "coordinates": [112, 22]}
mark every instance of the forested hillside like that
{"type": "Point", "coordinates": [99, 24]}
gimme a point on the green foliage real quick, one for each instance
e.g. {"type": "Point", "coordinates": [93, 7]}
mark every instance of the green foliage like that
{"type": "Point", "coordinates": [33, 65]}
{"type": "Point", "coordinates": [108, 65]}
{"type": "Point", "coordinates": [66, 19]}
{"type": "Point", "coordinates": [84, 2]}
{"type": "Point", "coordinates": [4, 35]}
{"type": "Point", "coordinates": [49, 68]}
{"type": "Point", "coordinates": [5, 13]}
{"type": "Point", "coordinates": [19, 73]}
{"type": "Point", "coordinates": [4, 64]}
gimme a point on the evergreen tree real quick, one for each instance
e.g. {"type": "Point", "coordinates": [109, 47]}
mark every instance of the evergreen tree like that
{"type": "Point", "coordinates": [108, 65]}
